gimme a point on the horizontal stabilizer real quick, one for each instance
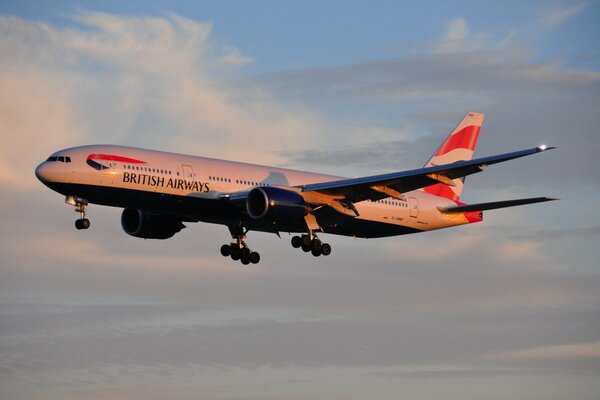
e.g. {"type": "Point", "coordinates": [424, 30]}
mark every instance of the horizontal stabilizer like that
{"type": "Point", "coordinates": [495, 204]}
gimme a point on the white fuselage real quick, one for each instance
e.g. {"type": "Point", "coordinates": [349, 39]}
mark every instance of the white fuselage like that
{"type": "Point", "coordinates": [194, 187]}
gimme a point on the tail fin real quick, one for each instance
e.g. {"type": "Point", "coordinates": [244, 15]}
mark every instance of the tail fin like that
{"type": "Point", "coordinates": [459, 146]}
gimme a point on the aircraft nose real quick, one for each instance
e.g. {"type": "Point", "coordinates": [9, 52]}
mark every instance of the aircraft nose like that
{"type": "Point", "coordinates": [41, 172]}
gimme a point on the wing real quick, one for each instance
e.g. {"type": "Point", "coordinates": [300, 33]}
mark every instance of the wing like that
{"type": "Point", "coordinates": [494, 205]}
{"type": "Point", "coordinates": [394, 184]}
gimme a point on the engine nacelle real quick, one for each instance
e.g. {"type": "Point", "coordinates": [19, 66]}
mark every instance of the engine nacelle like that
{"type": "Point", "coordinates": [275, 204]}
{"type": "Point", "coordinates": [149, 224]}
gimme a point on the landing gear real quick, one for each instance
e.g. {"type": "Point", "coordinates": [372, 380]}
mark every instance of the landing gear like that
{"type": "Point", "coordinates": [239, 250]}
{"type": "Point", "coordinates": [82, 223]}
{"type": "Point", "coordinates": [311, 245]}
{"type": "Point", "coordinates": [80, 204]}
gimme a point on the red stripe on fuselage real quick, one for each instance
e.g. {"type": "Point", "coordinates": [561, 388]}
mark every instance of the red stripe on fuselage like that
{"type": "Point", "coordinates": [466, 138]}
{"type": "Point", "coordinates": [110, 157]}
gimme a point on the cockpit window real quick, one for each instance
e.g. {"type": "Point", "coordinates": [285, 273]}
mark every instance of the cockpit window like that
{"type": "Point", "coordinates": [59, 158]}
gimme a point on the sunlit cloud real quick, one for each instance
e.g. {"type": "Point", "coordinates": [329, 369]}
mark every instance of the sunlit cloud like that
{"type": "Point", "coordinates": [98, 313]}
{"type": "Point", "coordinates": [154, 82]}
{"type": "Point", "coordinates": [564, 351]}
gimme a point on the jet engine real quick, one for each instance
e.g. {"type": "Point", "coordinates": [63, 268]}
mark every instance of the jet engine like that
{"type": "Point", "coordinates": [149, 224]}
{"type": "Point", "coordinates": [275, 204]}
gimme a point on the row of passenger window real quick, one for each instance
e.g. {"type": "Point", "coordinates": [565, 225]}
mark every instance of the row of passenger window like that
{"type": "Point", "coordinates": [148, 169]}
{"type": "Point", "coordinates": [219, 179]}
{"type": "Point", "coordinates": [392, 203]}
{"type": "Point", "coordinates": [238, 181]}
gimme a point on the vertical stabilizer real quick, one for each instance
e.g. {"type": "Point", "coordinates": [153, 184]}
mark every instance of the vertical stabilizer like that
{"type": "Point", "coordinates": [459, 146]}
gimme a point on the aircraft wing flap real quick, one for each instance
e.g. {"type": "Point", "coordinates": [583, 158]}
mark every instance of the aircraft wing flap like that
{"type": "Point", "coordinates": [359, 189]}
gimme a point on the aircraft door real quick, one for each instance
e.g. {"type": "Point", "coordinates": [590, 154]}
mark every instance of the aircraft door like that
{"type": "Point", "coordinates": [188, 172]}
{"type": "Point", "coordinates": [413, 203]}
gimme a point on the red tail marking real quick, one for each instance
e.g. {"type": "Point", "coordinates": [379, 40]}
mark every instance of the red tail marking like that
{"type": "Point", "coordinates": [441, 190]}
{"type": "Point", "coordinates": [466, 138]}
{"type": "Point", "coordinates": [474, 216]}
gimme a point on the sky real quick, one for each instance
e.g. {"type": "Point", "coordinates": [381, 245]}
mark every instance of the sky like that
{"type": "Point", "coordinates": [508, 308]}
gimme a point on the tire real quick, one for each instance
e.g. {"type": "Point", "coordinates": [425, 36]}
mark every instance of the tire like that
{"type": "Point", "coordinates": [245, 253]}
{"type": "Point", "coordinates": [225, 250]}
{"type": "Point", "coordinates": [316, 245]}
{"type": "Point", "coordinates": [296, 242]}
{"type": "Point", "coordinates": [254, 257]}
{"type": "Point", "coordinates": [245, 260]}
{"type": "Point", "coordinates": [82, 223]}
{"type": "Point", "coordinates": [325, 249]}
{"type": "Point", "coordinates": [305, 241]}
{"type": "Point", "coordinates": [305, 248]}
{"type": "Point", "coordinates": [235, 251]}
{"type": "Point", "coordinates": [316, 253]}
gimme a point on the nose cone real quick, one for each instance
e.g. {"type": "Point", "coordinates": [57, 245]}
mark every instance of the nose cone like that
{"type": "Point", "coordinates": [42, 172]}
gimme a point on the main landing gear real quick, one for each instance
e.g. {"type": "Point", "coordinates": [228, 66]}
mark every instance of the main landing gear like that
{"type": "Point", "coordinates": [239, 250]}
{"type": "Point", "coordinates": [313, 245]}
{"type": "Point", "coordinates": [80, 204]}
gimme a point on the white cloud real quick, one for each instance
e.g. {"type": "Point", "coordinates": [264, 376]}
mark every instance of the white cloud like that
{"type": "Point", "coordinates": [455, 36]}
{"type": "Point", "coordinates": [425, 300]}
{"type": "Point", "coordinates": [233, 57]}
{"type": "Point", "coordinates": [156, 82]}
{"type": "Point", "coordinates": [458, 38]}
{"type": "Point", "coordinates": [555, 17]}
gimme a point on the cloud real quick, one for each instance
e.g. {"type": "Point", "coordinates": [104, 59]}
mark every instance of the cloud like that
{"type": "Point", "coordinates": [555, 17]}
{"type": "Point", "coordinates": [427, 93]}
{"type": "Point", "coordinates": [158, 82]}
{"type": "Point", "coordinates": [458, 38]}
{"type": "Point", "coordinates": [233, 57]}
{"type": "Point", "coordinates": [563, 351]}
{"type": "Point", "coordinates": [99, 313]}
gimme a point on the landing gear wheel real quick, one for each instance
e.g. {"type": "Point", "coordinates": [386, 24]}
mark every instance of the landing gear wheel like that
{"type": "Point", "coordinates": [82, 223]}
{"type": "Point", "coordinates": [306, 248]}
{"type": "Point", "coordinates": [315, 245]}
{"type": "Point", "coordinates": [225, 250]}
{"type": "Point", "coordinates": [235, 252]}
{"type": "Point", "coordinates": [296, 242]}
{"type": "Point", "coordinates": [305, 241]}
{"type": "Point", "coordinates": [239, 250]}
{"type": "Point", "coordinates": [325, 249]}
{"type": "Point", "coordinates": [316, 253]}
{"type": "Point", "coordinates": [245, 253]}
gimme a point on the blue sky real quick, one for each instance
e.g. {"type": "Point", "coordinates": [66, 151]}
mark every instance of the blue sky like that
{"type": "Point", "coordinates": [508, 308]}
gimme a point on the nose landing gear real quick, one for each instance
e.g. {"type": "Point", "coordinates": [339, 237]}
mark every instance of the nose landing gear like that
{"type": "Point", "coordinates": [80, 204]}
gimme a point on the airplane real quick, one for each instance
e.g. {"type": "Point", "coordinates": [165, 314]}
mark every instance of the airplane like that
{"type": "Point", "coordinates": [161, 191]}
